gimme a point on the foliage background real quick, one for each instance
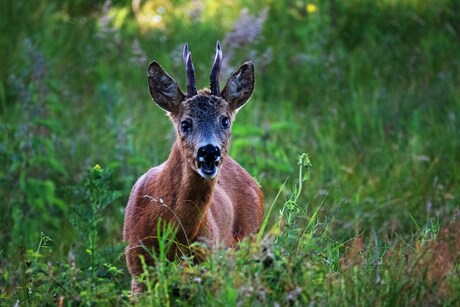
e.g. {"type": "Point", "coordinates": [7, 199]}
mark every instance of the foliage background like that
{"type": "Point", "coordinates": [369, 89]}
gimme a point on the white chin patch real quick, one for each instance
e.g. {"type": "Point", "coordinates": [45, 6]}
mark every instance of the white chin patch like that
{"type": "Point", "coordinates": [208, 174]}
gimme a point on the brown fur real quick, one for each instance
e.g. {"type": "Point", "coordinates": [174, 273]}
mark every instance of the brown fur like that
{"type": "Point", "coordinates": [218, 211]}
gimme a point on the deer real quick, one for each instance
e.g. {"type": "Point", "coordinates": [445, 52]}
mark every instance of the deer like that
{"type": "Point", "coordinates": [200, 190]}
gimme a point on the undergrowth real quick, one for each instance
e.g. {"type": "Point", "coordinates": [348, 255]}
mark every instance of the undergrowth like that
{"type": "Point", "coordinates": [370, 89]}
{"type": "Point", "coordinates": [298, 260]}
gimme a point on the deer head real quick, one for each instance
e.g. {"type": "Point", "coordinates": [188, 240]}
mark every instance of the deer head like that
{"type": "Point", "coordinates": [202, 119]}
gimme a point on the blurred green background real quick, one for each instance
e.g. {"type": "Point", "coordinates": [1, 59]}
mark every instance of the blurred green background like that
{"type": "Point", "coordinates": [369, 89]}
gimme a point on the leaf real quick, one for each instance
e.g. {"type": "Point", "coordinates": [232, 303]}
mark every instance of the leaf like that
{"type": "Point", "coordinates": [245, 131]}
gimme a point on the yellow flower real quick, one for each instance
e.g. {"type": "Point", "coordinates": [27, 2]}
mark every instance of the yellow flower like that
{"type": "Point", "coordinates": [97, 168]}
{"type": "Point", "coordinates": [311, 8]}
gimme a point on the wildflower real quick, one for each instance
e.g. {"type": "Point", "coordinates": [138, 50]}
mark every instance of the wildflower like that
{"type": "Point", "coordinates": [311, 8]}
{"type": "Point", "coordinates": [97, 168]}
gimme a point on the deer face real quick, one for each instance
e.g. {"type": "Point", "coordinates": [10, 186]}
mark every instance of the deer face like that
{"type": "Point", "coordinates": [203, 125]}
{"type": "Point", "coordinates": [202, 119]}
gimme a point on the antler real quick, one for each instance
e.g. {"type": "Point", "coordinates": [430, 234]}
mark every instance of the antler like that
{"type": "Point", "coordinates": [189, 72]}
{"type": "Point", "coordinates": [215, 70]}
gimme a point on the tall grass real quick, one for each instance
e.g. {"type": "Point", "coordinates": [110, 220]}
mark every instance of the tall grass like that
{"type": "Point", "coordinates": [370, 90]}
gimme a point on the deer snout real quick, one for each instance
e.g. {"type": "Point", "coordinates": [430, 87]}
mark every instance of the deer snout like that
{"type": "Point", "coordinates": [209, 154]}
{"type": "Point", "coordinates": [208, 158]}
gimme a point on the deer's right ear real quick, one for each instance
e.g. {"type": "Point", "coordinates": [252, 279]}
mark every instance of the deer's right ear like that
{"type": "Point", "coordinates": [240, 86]}
{"type": "Point", "coordinates": [164, 90]}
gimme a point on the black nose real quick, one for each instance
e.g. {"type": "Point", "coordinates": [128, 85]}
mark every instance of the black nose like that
{"type": "Point", "coordinates": [208, 154]}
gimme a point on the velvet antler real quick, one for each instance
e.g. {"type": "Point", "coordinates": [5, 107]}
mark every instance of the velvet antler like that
{"type": "Point", "coordinates": [215, 70]}
{"type": "Point", "coordinates": [189, 72]}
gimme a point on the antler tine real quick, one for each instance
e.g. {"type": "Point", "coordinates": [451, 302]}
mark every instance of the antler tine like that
{"type": "Point", "coordinates": [189, 72]}
{"type": "Point", "coordinates": [215, 70]}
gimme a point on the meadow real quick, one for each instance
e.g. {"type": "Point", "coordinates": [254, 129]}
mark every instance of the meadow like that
{"type": "Point", "coordinates": [353, 133]}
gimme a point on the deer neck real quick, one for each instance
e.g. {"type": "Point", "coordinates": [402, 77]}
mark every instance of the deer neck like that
{"type": "Point", "coordinates": [192, 194]}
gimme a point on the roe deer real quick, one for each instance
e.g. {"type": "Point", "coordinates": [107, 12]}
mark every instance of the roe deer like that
{"type": "Point", "coordinates": [203, 192]}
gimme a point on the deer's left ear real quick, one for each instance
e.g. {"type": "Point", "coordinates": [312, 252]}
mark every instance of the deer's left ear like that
{"type": "Point", "coordinates": [240, 86]}
{"type": "Point", "coordinates": [163, 88]}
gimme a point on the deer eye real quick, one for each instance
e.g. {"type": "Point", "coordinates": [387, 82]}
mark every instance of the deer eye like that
{"type": "Point", "coordinates": [186, 126]}
{"type": "Point", "coordinates": [225, 122]}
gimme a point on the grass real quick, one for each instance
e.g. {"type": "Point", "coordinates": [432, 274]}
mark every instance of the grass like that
{"type": "Point", "coordinates": [369, 90]}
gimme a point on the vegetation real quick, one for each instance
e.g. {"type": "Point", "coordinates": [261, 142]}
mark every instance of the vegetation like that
{"type": "Point", "coordinates": [369, 89]}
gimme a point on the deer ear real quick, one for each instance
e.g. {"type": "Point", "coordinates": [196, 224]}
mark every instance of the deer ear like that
{"type": "Point", "coordinates": [163, 88]}
{"type": "Point", "coordinates": [240, 86]}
